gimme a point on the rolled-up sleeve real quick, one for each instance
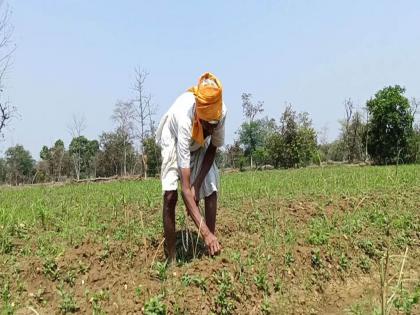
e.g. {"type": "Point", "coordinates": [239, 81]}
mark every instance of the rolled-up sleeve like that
{"type": "Point", "coordinates": [183, 143]}
{"type": "Point", "coordinates": [218, 136]}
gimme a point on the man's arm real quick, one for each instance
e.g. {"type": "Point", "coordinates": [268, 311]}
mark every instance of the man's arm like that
{"type": "Point", "coordinates": [189, 200]}
{"type": "Point", "coordinates": [208, 160]}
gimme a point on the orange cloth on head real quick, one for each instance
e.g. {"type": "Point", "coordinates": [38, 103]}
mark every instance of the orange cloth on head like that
{"type": "Point", "coordinates": [208, 104]}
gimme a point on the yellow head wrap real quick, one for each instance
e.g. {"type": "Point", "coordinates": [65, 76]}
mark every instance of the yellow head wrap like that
{"type": "Point", "coordinates": [208, 104]}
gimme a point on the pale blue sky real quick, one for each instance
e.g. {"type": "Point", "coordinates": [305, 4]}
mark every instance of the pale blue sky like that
{"type": "Point", "coordinates": [77, 57]}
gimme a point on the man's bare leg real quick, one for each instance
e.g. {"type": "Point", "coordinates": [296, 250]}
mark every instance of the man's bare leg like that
{"type": "Point", "coordinates": [169, 203]}
{"type": "Point", "coordinates": [210, 204]}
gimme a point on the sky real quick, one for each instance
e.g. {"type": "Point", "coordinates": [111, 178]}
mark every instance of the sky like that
{"type": "Point", "coordinates": [77, 57]}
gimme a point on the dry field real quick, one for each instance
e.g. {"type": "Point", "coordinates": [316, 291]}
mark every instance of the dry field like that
{"type": "Point", "coordinates": [307, 241]}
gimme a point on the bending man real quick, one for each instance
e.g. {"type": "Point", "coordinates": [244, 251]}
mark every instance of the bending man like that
{"type": "Point", "coordinates": [189, 134]}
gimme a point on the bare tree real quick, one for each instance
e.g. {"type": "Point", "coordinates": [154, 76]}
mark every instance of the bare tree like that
{"type": "Point", "coordinates": [348, 106]}
{"type": "Point", "coordinates": [124, 115]}
{"type": "Point", "coordinates": [249, 108]}
{"type": "Point", "coordinates": [76, 128]}
{"type": "Point", "coordinates": [323, 135]}
{"type": "Point", "coordinates": [7, 111]}
{"type": "Point", "coordinates": [144, 113]}
{"type": "Point", "coordinates": [414, 105]}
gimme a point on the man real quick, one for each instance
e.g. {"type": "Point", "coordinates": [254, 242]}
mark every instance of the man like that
{"type": "Point", "coordinates": [189, 135]}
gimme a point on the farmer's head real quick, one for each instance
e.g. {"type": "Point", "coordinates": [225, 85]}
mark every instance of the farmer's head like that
{"type": "Point", "coordinates": [208, 101]}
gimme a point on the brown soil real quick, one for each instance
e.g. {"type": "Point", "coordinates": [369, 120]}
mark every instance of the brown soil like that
{"type": "Point", "coordinates": [107, 278]}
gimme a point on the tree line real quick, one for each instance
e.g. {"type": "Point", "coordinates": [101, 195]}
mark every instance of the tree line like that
{"type": "Point", "coordinates": [129, 149]}
{"type": "Point", "coordinates": [384, 133]}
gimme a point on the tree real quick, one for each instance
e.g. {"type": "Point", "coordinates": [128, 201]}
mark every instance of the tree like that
{"type": "Point", "coordinates": [414, 145]}
{"type": "Point", "coordinates": [251, 137]}
{"type": "Point", "coordinates": [250, 132]}
{"type": "Point", "coordinates": [353, 133]}
{"type": "Point", "coordinates": [83, 151]}
{"type": "Point", "coordinates": [144, 115]}
{"type": "Point", "coordinates": [390, 126]}
{"type": "Point", "coordinates": [294, 143]}
{"type": "Point", "coordinates": [58, 153]}
{"type": "Point", "coordinates": [3, 171]}
{"type": "Point", "coordinates": [336, 151]}
{"type": "Point", "coordinates": [20, 165]}
{"type": "Point", "coordinates": [153, 156]}
{"type": "Point", "coordinates": [234, 155]}
{"type": "Point", "coordinates": [76, 129]}
{"type": "Point", "coordinates": [54, 159]}
{"type": "Point", "coordinates": [7, 111]}
{"type": "Point", "coordinates": [275, 145]}
{"type": "Point", "coordinates": [124, 115]}
{"type": "Point", "coordinates": [111, 155]}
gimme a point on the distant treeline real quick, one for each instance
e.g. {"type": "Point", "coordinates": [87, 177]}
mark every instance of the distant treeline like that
{"type": "Point", "coordinates": [384, 132]}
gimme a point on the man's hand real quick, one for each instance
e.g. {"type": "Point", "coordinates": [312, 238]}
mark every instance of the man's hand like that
{"type": "Point", "coordinates": [212, 244]}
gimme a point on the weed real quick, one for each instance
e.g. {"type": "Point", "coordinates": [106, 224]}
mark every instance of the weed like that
{"type": "Point", "coordinates": [364, 264]}
{"type": "Point", "coordinates": [50, 269]}
{"type": "Point", "coordinates": [70, 277]}
{"type": "Point", "coordinates": [316, 260]}
{"type": "Point", "coordinates": [82, 268]}
{"type": "Point", "coordinates": [67, 304]}
{"type": "Point", "coordinates": [277, 285]}
{"type": "Point", "coordinates": [6, 296]}
{"type": "Point", "coordinates": [368, 248]}
{"type": "Point", "coordinates": [406, 300]}
{"type": "Point", "coordinates": [138, 291]}
{"type": "Point", "coordinates": [96, 300]}
{"type": "Point", "coordinates": [155, 306]}
{"type": "Point", "coordinates": [265, 306]}
{"type": "Point", "coordinates": [39, 296]}
{"type": "Point", "coordinates": [343, 262]}
{"type": "Point", "coordinates": [261, 282]}
{"type": "Point", "coordinates": [289, 236]}
{"type": "Point", "coordinates": [106, 251]}
{"type": "Point", "coordinates": [288, 258]}
{"type": "Point", "coordinates": [160, 270]}
{"type": "Point", "coordinates": [6, 245]}
{"type": "Point", "coordinates": [223, 301]}
{"type": "Point", "coordinates": [198, 281]}
{"type": "Point", "coordinates": [320, 231]}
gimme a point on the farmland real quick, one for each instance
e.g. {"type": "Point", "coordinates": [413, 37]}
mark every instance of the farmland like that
{"type": "Point", "coordinates": [294, 241]}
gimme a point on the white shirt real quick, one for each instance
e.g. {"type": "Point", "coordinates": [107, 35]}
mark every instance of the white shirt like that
{"type": "Point", "coordinates": [179, 119]}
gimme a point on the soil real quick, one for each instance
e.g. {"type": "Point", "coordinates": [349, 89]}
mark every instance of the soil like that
{"type": "Point", "coordinates": [120, 278]}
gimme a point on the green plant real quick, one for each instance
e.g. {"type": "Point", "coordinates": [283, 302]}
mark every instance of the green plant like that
{"type": "Point", "coordinates": [50, 269]}
{"type": "Point", "coordinates": [160, 269]}
{"type": "Point", "coordinates": [155, 306]}
{"type": "Point", "coordinates": [288, 258]}
{"type": "Point", "coordinates": [343, 262]}
{"type": "Point", "coordinates": [277, 285]}
{"type": "Point", "coordinates": [70, 277]}
{"type": "Point", "coordinates": [198, 281]}
{"type": "Point", "coordinates": [265, 306]}
{"type": "Point", "coordinates": [138, 290]}
{"type": "Point", "coordinates": [320, 231]}
{"type": "Point", "coordinates": [364, 264]}
{"type": "Point", "coordinates": [406, 300]}
{"type": "Point", "coordinates": [261, 282]}
{"type": "Point", "coordinates": [67, 304]}
{"type": "Point", "coordinates": [6, 296]}
{"type": "Point", "coordinates": [368, 248]}
{"type": "Point", "coordinates": [224, 298]}
{"type": "Point", "coordinates": [316, 260]}
{"type": "Point", "coordinates": [97, 299]}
